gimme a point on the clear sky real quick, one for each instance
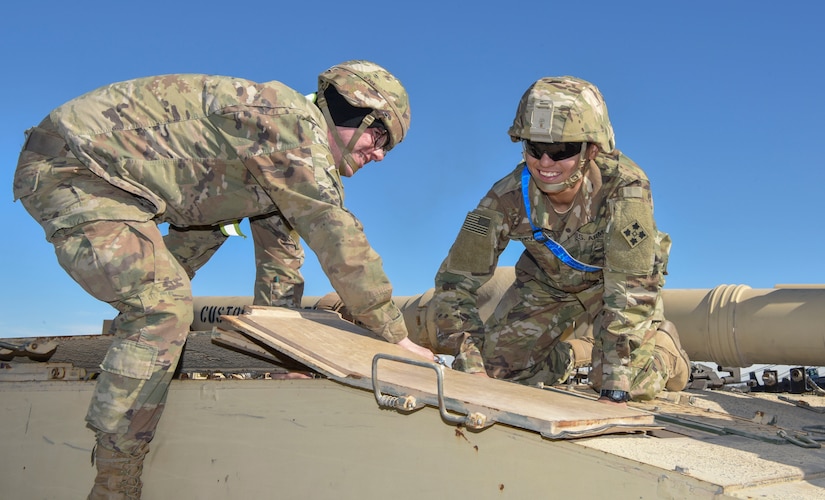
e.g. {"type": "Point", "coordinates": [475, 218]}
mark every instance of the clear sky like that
{"type": "Point", "coordinates": [720, 102]}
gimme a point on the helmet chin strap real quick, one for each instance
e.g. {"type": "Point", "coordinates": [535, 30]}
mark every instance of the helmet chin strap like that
{"type": "Point", "coordinates": [571, 181]}
{"type": "Point", "coordinates": [346, 151]}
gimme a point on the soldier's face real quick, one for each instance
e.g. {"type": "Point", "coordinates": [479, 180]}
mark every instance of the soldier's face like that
{"type": "Point", "coordinates": [548, 171]}
{"type": "Point", "coordinates": [367, 148]}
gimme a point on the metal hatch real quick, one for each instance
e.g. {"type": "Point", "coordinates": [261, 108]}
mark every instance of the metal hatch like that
{"type": "Point", "coordinates": [353, 356]}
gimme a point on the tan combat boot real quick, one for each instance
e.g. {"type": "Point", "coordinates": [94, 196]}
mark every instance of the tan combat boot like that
{"type": "Point", "coordinates": [582, 350]}
{"type": "Point", "coordinates": [564, 359]}
{"type": "Point", "coordinates": [675, 358]}
{"type": "Point", "coordinates": [118, 474]}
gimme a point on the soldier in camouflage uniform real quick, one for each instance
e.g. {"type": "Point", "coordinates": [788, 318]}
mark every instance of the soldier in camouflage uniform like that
{"type": "Point", "coordinates": [200, 153]}
{"type": "Point", "coordinates": [588, 285]}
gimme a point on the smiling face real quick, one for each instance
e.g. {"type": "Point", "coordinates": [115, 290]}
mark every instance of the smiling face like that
{"type": "Point", "coordinates": [368, 147]}
{"type": "Point", "coordinates": [549, 174]}
{"type": "Point", "coordinates": [561, 178]}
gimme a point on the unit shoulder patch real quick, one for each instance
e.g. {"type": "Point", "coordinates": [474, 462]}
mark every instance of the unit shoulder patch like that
{"type": "Point", "coordinates": [634, 233]}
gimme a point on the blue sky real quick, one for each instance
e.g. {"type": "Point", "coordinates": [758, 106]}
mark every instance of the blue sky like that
{"type": "Point", "coordinates": [721, 103]}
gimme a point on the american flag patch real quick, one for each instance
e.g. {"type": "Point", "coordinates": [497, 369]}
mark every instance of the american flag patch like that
{"type": "Point", "coordinates": [477, 224]}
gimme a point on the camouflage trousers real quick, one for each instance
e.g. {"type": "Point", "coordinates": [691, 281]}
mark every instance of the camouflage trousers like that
{"type": "Point", "coordinates": [525, 340]}
{"type": "Point", "coordinates": [278, 256]}
{"type": "Point", "coordinates": [126, 264]}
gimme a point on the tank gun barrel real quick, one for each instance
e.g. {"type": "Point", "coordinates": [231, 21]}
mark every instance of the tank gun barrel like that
{"type": "Point", "coordinates": [731, 325]}
{"type": "Point", "coordinates": [735, 325]}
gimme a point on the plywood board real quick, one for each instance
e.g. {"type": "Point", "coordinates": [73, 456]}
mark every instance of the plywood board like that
{"type": "Point", "coordinates": [345, 352]}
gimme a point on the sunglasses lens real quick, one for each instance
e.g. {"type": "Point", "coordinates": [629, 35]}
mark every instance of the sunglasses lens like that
{"type": "Point", "coordinates": [382, 137]}
{"type": "Point", "coordinates": [556, 151]}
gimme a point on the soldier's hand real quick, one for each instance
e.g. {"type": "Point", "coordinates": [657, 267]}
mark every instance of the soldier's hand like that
{"type": "Point", "coordinates": [417, 349]}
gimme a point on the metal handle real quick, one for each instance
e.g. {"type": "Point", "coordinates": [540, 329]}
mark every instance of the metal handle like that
{"type": "Point", "coordinates": [473, 420]}
{"type": "Point", "coordinates": [799, 440]}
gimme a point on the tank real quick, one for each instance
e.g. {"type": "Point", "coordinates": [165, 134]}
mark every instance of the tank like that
{"type": "Point", "coordinates": [279, 403]}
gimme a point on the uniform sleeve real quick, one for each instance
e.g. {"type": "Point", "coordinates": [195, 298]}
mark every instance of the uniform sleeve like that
{"type": "Point", "coordinates": [301, 179]}
{"type": "Point", "coordinates": [632, 285]}
{"type": "Point", "coordinates": [470, 263]}
{"type": "Point", "coordinates": [278, 260]}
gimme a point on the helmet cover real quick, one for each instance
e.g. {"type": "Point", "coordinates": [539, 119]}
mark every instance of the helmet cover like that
{"type": "Point", "coordinates": [563, 109]}
{"type": "Point", "coordinates": [367, 85]}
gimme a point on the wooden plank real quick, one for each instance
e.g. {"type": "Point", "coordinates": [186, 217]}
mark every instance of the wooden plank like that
{"type": "Point", "coordinates": [327, 343]}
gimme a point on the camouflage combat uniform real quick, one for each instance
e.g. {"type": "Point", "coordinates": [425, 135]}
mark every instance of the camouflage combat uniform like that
{"type": "Point", "coordinates": [195, 151]}
{"type": "Point", "coordinates": [609, 225]}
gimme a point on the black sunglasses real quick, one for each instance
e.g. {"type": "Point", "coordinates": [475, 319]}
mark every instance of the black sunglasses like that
{"type": "Point", "coordinates": [382, 138]}
{"type": "Point", "coordinates": [555, 150]}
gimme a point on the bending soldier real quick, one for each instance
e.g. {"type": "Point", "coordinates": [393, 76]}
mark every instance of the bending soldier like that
{"type": "Point", "coordinates": [200, 153]}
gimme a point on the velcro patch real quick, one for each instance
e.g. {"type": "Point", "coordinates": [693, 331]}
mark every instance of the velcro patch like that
{"type": "Point", "coordinates": [474, 250]}
{"type": "Point", "coordinates": [630, 245]}
{"type": "Point", "coordinates": [476, 223]}
{"type": "Point", "coordinates": [634, 233]}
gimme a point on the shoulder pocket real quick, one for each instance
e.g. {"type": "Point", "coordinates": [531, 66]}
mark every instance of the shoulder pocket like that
{"type": "Point", "coordinates": [474, 249]}
{"type": "Point", "coordinates": [630, 245]}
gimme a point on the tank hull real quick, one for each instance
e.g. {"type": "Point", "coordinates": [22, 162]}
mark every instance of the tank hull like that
{"type": "Point", "coordinates": [222, 438]}
{"type": "Point", "coordinates": [229, 439]}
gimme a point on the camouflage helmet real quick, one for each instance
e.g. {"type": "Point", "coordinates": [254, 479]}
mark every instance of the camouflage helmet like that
{"type": "Point", "coordinates": [563, 109]}
{"type": "Point", "coordinates": [367, 85]}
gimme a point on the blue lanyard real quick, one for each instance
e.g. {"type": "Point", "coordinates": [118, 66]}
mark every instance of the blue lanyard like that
{"type": "Point", "coordinates": [539, 235]}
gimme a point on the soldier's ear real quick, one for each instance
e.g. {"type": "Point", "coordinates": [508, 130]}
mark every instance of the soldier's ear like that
{"type": "Point", "coordinates": [592, 151]}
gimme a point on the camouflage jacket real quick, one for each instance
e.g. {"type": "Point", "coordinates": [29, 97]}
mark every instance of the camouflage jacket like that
{"type": "Point", "coordinates": [610, 225]}
{"type": "Point", "coordinates": [207, 150]}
